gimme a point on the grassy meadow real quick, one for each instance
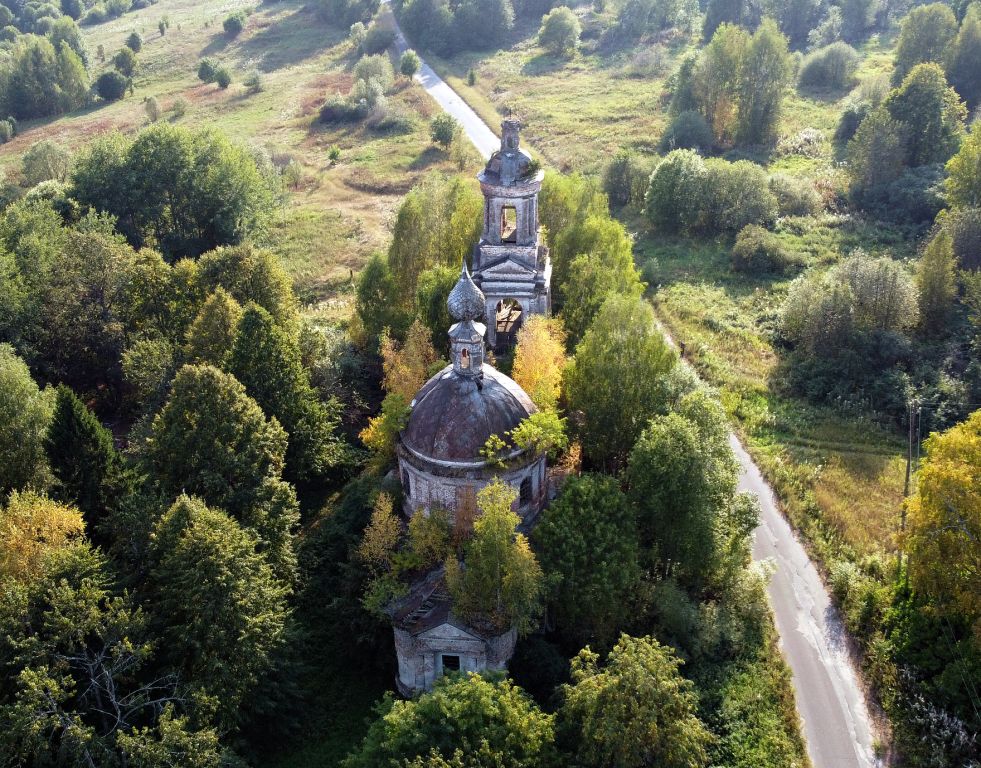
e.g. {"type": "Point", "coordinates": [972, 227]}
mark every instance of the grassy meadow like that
{"type": "Point", "coordinates": [336, 214]}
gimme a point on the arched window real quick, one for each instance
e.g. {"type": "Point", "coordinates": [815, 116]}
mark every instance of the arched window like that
{"type": "Point", "coordinates": [406, 483]}
{"type": "Point", "coordinates": [524, 493]}
{"type": "Point", "coordinates": [465, 358]}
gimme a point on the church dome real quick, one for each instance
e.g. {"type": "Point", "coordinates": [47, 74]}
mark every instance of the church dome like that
{"type": "Point", "coordinates": [452, 417]}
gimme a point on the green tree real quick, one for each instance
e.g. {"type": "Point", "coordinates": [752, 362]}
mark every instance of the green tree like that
{"type": "Point", "coordinates": [219, 607]}
{"type": "Point", "coordinates": [494, 723]}
{"type": "Point", "coordinates": [45, 160]}
{"type": "Point", "coordinates": [615, 383]}
{"type": "Point", "coordinates": [936, 284]}
{"type": "Point", "coordinates": [87, 469]}
{"type": "Point", "coordinates": [375, 303]}
{"type": "Point", "coordinates": [212, 334]}
{"type": "Point", "coordinates": [443, 129]}
{"type": "Point", "coordinates": [681, 475]}
{"type": "Point", "coordinates": [876, 153]}
{"type": "Point", "coordinates": [931, 112]}
{"type": "Point", "coordinates": [183, 191]}
{"type": "Point", "coordinates": [250, 274]}
{"type": "Point", "coordinates": [587, 542]}
{"type": "Point", "coordinates": [766, 71]}
{"type": "Point", "coordinates": [33, 529]}
{"type": "Point", "coordinates": [964, 69]}
{"type": "Point", "coordinates": [964, 173]}
{"type": "Point", "coordinates": [125, 62]}
{"type": "Point", "coordinates": [604, 242]}
{"type": "Point", "coordinates": [500, 583]}
{"type": "Point", "coordinates": [267, 361]}
{"type": "Point", "coordinates": [926, 35]}
{"type": "Point", "coordinates": [134, 42]}
{"type": "Point", "coordinates": [676, 191]}
{"type": "Point", "coordinates": [213, 441]}
{"type": "Point", "coordinates": [25, 412]}
{"type": "Point", "coordinates": [80, 676]}
{"type": "Point", "coordinates": [432, 289]}
{"type": "Point", "coordinates": [111, 86]}
{"type": "Point", "coordinates": [637, 710]}
{"type": "Point", "coordinates": [719, 81]}
{"type": "Point", "coordinates": [409, 64]}
{"type": "Point", "coordinates": [560, 30]}
{"type": "Point", "coordinates": [438, 223]}
{"type": "Point", "coordinates": [42, 80]}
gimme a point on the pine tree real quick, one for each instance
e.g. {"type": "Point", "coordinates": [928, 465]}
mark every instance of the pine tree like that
{"type": "Point", "coordinates": [266, 359]}
{"type": "Point", "coordinates": [86, 466]}
{"type": "Point", "coordinates": [212, 334]}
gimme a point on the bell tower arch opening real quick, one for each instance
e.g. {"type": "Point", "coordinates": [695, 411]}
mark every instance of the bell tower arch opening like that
{"type": "Point", "coordinates": [509, 224]}
{"type": "Point", "coordinates": [510, 315]}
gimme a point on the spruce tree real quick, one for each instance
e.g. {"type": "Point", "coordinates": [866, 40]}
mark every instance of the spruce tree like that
{"type": "Point", "coordinates": [266, 359]}
{"type": "Point", "coordinates": [87, 469]}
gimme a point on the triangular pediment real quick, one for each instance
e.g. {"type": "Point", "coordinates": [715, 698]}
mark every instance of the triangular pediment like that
{"type": "Point", "coordinates": [508, 268]}
{"type": "Point", "coordinates": [447, 631]}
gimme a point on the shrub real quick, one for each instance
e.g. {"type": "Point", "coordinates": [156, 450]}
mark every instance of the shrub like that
{"type": "Point", "coordinates": [125, 61]}
{"type": "Point", "coordinates": [207, 70]}
{"type": "Point", "coordinates": [377, 68]}
{"type": "Point", "coordinates": [134, 42]}
{"type": "Point", "coordinates": [851, 117]}
{"type": "Point", "coordinates": [443, 129]}
{"type": "Point", "coordinates": [152, 107]}
{"type": "Point", "coordinates": [96, 15]}
{"type": "Point", "coordinates": [116, 8]}
{"type": "Point", "coordinates": [223, 77]}
{"type": "Point", "coordinates": [795, 197]}
{"type": "Point", "coordinates": [253, 83]}
{"type": "Point", "coordinates": [559, 33]}
{"type": "Point", "coordinates": [377, 39]}
{"type": "Point", "coordinates": [624, 179]}
{"type": "Point", "coordinates": [6, 131]}
{"type": "Point", "coordinates": [687, 130]}
{"type": "Point", "coordinates": [338, 109]}
{"type": "Point", "coordinates": [830, 67]}
{"type": "Point", "coordinates": [674, 195]}
{"type": "Point", "coordinates": [111, 86]}
{"type": "Point", "coordinates": [734, 195]}
{"type": "Point", "coordinates": [964, 227]}
{"type": "Point", "coordinates": [357, 35]}
{"type": "Point", "coordinates": [807, 142]}
{"type": "Point", "coordinates": [178, 108]}
{"type": "Point", "coordinates": [758, 252]}
{"type": "Point", "coordinates": [409, 63]}
{"type": "Point", "coordinates": [234, 24]}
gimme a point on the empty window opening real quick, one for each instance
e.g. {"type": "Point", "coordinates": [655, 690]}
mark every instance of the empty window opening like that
{"type": "Point", "coordinates": [508, 323]}
{"type": "Point", "coordinates": [406, 484]}
{"type": "Point", "coordinates": [465, 359]}
{"type": "Point", "coordinates": [525, 491]}
{"type": "Point", "coordinates": [451, 663]}
{"type": "Point", "coordinates": [509, 224]}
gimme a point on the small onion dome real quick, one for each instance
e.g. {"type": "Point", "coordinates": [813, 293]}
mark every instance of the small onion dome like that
{"type": "Point", "coordinates": [466, 301]}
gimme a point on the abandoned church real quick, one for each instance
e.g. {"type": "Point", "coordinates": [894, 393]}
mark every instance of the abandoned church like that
{"type": "Point", "coordinates": [461, 407]}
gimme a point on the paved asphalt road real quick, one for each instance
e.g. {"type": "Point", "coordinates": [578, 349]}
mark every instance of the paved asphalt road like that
{"type": "Point", "coordinates": [835, 719]}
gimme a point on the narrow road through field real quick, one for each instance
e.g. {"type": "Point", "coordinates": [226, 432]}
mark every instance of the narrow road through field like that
{"type": "Point", "coordinates": [835, 718]}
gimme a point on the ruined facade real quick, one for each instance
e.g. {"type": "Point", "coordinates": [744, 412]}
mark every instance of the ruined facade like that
{"type": "Point", "coordinates": [511, 263]}
{"type": "Point", "coordinates": [440, 465]}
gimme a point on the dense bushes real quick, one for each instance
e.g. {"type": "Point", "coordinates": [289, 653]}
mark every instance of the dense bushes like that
{"type": "Point", "coordinates": [795, 197]}
{"type": "Point", "coordinates": [687, 130]}
{"type": "Point", "coordinates": [471, 25]}
{"type": "Point", "coordinates": [343, 13]}
{"type": "Point", "coordinates": [41, 80]}
{"type": "Point", "coordinates": [689, 194]}
{"type": "Point", "coordinates": [373, 77]}
{"type": "Point", "coordinates": [758, 251]}
{"type": "Point", "coordinates": [830, 67]}
{"type": "Point", "coordinates": [111, 86]}
{"type": "Point", "coordinates": [559, 33]}
{"type": "Point", "coordinates": [217, 191]}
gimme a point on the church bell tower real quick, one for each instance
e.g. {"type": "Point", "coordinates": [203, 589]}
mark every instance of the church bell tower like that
{"type": "Point", "coordinates": [511, 263]}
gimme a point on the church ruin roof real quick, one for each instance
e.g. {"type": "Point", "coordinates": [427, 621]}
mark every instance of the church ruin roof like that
{"type": "Point", "coordinates": [452, 417]}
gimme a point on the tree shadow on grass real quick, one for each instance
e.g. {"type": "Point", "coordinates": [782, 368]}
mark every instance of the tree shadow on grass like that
{"type": "Point", "coordinates": [543, 64]}
{"type": "Point", "coordinates": [216, 46]}
{"type": "Point", "coordinates": [430, 156]}
{"type": "Point", "coordinates": [290, 40]}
